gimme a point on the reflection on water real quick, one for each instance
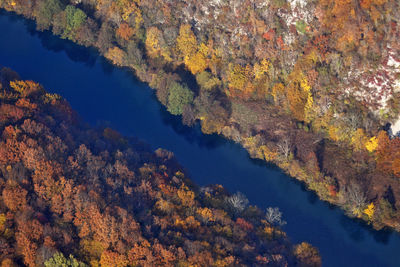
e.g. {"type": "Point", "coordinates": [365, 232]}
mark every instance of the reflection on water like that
{"type": "Point", "coordinates": [105, 95]}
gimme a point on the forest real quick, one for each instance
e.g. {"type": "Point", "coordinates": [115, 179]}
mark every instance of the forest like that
{"type": "Point", "coordinates": [72, 195]}
{"type": "Point", "coordinates": [311, 86]}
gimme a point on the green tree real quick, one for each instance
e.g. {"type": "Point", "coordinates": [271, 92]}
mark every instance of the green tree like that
{"type": "Point", "coordinates": [301, 26]}
{"type": "Point", "coordinates": [45, 12]}
{"type": "Point", "coordinates": [59, 260]}
{"type": "Point", "coordinates": [75, 17]}
{"type": "Point", "coordinates": [179, 96]}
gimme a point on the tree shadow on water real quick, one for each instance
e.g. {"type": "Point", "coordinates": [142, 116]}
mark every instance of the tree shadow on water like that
{"type": "Point", "coordinates": [192, 134]}
{"type": "Point", "coordinates": [358, 229]}
{"type": "Point", "coordinates": [74, 52]}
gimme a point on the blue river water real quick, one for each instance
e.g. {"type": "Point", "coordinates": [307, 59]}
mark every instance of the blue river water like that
{"type": "Point", "coordinates": [105, 95]}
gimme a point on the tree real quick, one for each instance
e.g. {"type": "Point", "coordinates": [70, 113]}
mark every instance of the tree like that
{"type": "Point", "coordinates": [125, 31]}
{"type": "Point", "coordinates": [197, 62]}
{"type": "Point", "coordinates": [237, 77]}
{"type": "Point", "coordinates": [186, 41]}
{"type": "Point", "coordinates": [186, 196]}
{"type": "Point", "coordinates": [45, 11]}
{"type": "Point", "coordinates": [238, 201]}
{"type": "Point", "coordinates": [355, 198]}
{"type": "Point", "coordinates": [299, 96]}
{"type": "Point", "coordinates": [25, 88]}
{"type": "Point", "coordinates": [207, 81]}
{"type": "Point", "coordinates": [116, 55]}
{"type": "Point", "coordinates": [59, 260]}
{"type": "Point", "coordinates": [261, 69]}
{"type": "Point", "coordinates": [388, 153]}
{"type": "Point", "coordinates": [14, 197]}
{"type": "Point", "coordinates": [278, 91]}
{"type": "Point", "coordinates": [274, 216]}
{"type": "Point", "coordinates": [372, 144]}
{"type": "Point", "coordinates": [285, 147]}
{"type": "Point", "coordinates": [155, 44]}
{"type": "Point", "coordinates": [179, 96]}
{"type": "Point", "coordinates": [359, 139]}
{"type": "Point", "coordinates": [307, 255]}
{"type": "Point", "coordinates": [74, 18]}
{"type": "Point", "coordinates": [106, 37]}
{"type": "Point", "coordinates": [135, 55]}
{"type": "Point", "coordinates": [112, 259]}
{"type": "Point", "coordinates": [205, 214]}
{"type": "Point", "coordinates": [152, 42]}
{"type": "Point", "coordinates": [370, 210]}
{"type": "Point", "coordinates": [28, 249]}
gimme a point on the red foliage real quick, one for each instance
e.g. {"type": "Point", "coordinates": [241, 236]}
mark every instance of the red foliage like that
{"type": "Point", "coordinates": [25, 103]}
{"type": "Point", "coordinates": [10, 112]}
{"type": "Point", "coordinates": [269, 35]}
{"type": "Point", "coordinates": [332, 190]}
{"type": "Point", "coordinates": [280, 43]}
{"type": "Point", "coordinates": [322, 45]}
{"type": "Point", "coordinates": [244, 225]}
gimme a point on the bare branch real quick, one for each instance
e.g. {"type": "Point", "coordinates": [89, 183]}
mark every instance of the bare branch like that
{"type": "Point", "coordinates": [274, 216]}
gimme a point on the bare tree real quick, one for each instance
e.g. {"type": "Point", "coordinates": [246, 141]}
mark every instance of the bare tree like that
{"type": "Point", "coordinates": [353, 120]}
{"type": "Point", "coordinates": [274, 216]}
{"type": "Point", "coordinates": [238, 201]}
{"type": "Point", "coordinates": [285, 147]}
{"type": "Point", "coordinates": [324, 104]}
{"type": "Point", "coordinates": [355, 197]}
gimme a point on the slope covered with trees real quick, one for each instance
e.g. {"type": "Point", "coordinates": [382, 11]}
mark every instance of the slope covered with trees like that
{"type": "Point", "coordinates": [74, 196]}
{"type": "Point", "coordinates": [308, 85]}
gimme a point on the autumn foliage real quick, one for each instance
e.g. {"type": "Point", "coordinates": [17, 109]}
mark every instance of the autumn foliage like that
{"type": "Point", "coordinates": [259, 74]}
{"type": "Point", "coordinates": [73, 196]}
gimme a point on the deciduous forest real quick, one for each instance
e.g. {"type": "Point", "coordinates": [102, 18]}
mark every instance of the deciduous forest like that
{"type": "Point", "coordinates": [310, 86]}
{"type": "Point", "coordinates": [72, 195]}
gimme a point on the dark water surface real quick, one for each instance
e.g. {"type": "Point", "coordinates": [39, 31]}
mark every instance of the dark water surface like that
{"type": "Point", "coordinates": [101, 93]}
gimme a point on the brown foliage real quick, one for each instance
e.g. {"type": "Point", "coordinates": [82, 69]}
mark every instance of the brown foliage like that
{"type": "Point", "coordinates": [125, 31]}
{"type": "Point", "coordinates": [14, 197]}
{"type": "Point", "coordinates": [388, 154]}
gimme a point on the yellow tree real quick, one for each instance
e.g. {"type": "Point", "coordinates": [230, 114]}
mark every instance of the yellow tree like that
{"type": "Point", "coordinates": [297, 95]}
{"type": "Point", "coordinates": [186, 41]}
{"type": "Point", "coordinates": [359, 139]}
{"type": "Point", "coordinates": [25, 88]}
{"type": "Point", "coordinates": [372, 144]}
{"type": "Point", "coordinates": [197, 62]}
{"type": "Point", "coordinates": [153, 42]}
{"type": "Point", "coordinates": [127, 8]}
{"type": "Point", "coordinates": [186, 196]}
{"type": "Point", "coordinates": [278, 91]}
{"type": "Point", "coordinates": [116, 55]}
{"type": "Point", "coordinates": [308, 107]}
{"type": "Point", "coordinates": [370, 210]}
{"type": "Point", "coordinates": [238, 76]}
{"type": "Point", "coordinates": [261, 69]}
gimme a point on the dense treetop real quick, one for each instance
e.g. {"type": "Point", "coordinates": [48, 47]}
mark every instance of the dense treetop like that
{"type": "Point", "coordinates": [71, 195]}
{"type": "Point", "coordinates": [306, 84]}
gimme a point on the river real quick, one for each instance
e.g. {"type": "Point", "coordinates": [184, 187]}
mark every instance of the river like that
{"type": "Point", "coordinates": [106, 95]}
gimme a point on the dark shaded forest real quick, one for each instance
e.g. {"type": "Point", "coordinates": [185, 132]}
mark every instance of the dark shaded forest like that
{"type": "Point", "coordinates": [72, 195]}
